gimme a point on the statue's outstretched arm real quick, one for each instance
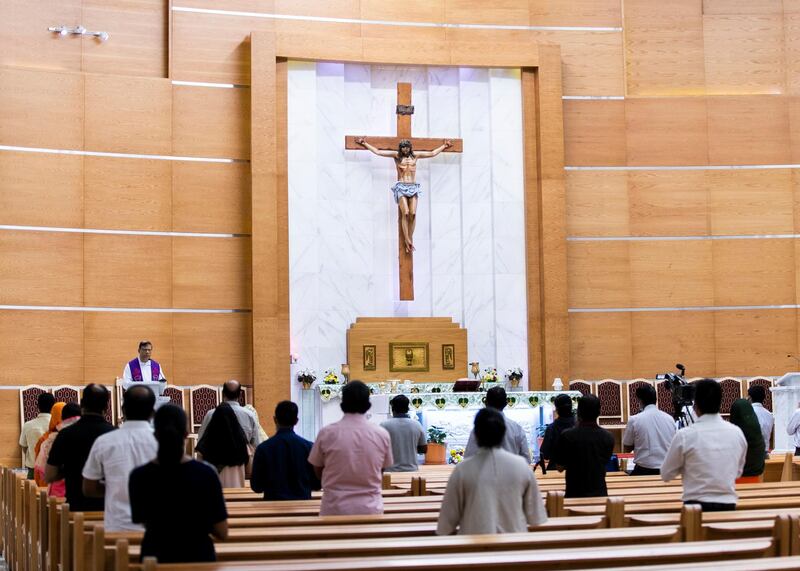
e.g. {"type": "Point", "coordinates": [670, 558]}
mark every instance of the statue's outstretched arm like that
{"type": "Point", "coordinates": [428, 154]}
{"type": "Point", "coordinates": [363, 142]}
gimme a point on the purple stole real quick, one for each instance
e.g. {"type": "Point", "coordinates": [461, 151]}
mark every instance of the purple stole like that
{"type": "Point", "coordinates": [136, 370]}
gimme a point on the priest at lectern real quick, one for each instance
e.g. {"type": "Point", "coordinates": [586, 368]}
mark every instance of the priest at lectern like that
{"type": "Point", "coordinates": [143, 368]}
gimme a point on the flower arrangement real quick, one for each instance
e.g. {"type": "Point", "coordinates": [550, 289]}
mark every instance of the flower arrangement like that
{"type": "Point", "coordinates": [330, 378]}
{"type": "Point", "coordinates": [436, 435]}
{"type": "Point", "coordinates": [514, 372]}
{"type": "Point", "coordinates": [307, 377]}
{"type": "Point", "coordinates": [456, 455]}
{"type": "Point", "coordinates": [489, 375]}
{"type": "Point", "coordinates": [514, 375]}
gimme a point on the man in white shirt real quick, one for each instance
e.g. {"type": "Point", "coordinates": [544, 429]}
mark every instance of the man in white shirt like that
{"type": "Point", "coordinates": [648, 434]}
{"type": "Point", "coordinates": [33, 429]}
{"type": "Point", "coordinates": [231, 391]}
{"type": "Point", "coordinates": [709, 454]}
{"type": "Point", "coordinates": [114, 456]}
{"type": "Point", "coordinates": [757, 395]}
{"type": "Point", "coordinates": [143, 368]}
{"type": "Point", "coordinates": [492, 491]}
{"type": "Point", "coordinates": [515, 440]}
{"type": "Point", "coordinates": [793, 430]}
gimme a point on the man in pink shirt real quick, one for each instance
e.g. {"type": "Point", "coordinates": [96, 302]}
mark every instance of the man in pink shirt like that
{"type": "Point", "coordinates": [349, 457]}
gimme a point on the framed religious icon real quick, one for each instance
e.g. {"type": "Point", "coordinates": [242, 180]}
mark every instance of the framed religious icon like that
{"type": "Point", "coordinates": [370, 361]}
{"type": "Point", "coordinates": [408, 357]}
{"type": "Point", "coordinates": [448, 357]}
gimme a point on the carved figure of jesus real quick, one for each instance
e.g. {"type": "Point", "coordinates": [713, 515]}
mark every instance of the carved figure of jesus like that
{"type": "Point", "coordinates": [406, 190]}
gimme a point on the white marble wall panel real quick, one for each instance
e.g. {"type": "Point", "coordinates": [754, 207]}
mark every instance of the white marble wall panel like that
{"type": "Point", "coordinates": [469, 263]}
{"type": "Point", "coordinates": [509, 218]}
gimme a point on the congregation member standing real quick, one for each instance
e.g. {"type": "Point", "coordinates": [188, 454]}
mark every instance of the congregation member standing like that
{"type": "Point", "coordinates": [114, 456]}
{"type": "Point", "coordinates": [280, 465]}
{"type": "Point", "coordinates": [515, 440]}
{"type": "Point", "coordinates": [793, 430]}
{"type": "Point", "coordinates": [231, 392]}
{"type": "Point", "coordinates": [72, 446]}
{"type": "Point", "coordinates": [709, 454]}
{"type": "Point", "coordinates": [648, 434]}
{"type": "Point", "coordinates": [492, 491]}
{"type": "Point", "coordinates": [743, 416]}
{"type": "Point", "coordinates": [407, 434]}
{"type": "Point", "coordinates": [33, 430]}
{"type": "Point", "coordinates": [584, 452]}
{"type": "Point", "coordinates": [349, 457]}
{"type": "Point", "coordinates": [61, 416]}
{"type": "Point", "coordinates": [178, 500]}
{"type": "Point", "coordinates": [766, 421]}
{"type": "Point", "coordinates": [565, 419]}
{"type": "Point", "coordinates": [224, 446]}
{"type": "Point", "coordinates": [143, 368]}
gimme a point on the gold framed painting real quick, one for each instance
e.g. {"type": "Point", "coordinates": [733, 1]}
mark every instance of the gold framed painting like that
{"type": "Point", "coordinates": [408, 357]}
{"type": "Point", "coordinates": [370, 360]}
{"type": "Point", "coordinates": [448, 357]}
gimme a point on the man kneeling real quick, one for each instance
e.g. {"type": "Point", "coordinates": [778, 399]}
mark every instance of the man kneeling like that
{"type": "Point", "coordinates": [709, 454]}
{"type": "Point", "coordinates": [493, 491]}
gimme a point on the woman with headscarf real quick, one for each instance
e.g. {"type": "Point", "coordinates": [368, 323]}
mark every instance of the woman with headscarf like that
{"type": "Point", "coordinates": [62, 415]}
{"type": "Point", "coordinates": [224, 446]}
{"type": "Point", "coordinates": [743, 416]}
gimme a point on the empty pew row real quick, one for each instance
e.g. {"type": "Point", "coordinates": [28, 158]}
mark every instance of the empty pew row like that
{"type": "Point", "coordinates": [527, 559]}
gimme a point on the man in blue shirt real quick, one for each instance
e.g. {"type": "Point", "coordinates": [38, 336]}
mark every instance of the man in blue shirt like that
{"type": "Point", "coordinates": [280, 464]}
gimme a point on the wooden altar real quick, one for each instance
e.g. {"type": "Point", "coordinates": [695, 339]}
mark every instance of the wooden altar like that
{"type": "Point", "coordinates": [421, 349]}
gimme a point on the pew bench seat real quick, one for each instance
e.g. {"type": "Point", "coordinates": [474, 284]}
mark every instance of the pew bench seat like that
{"type": "Point", "coordinates": [528, 560]}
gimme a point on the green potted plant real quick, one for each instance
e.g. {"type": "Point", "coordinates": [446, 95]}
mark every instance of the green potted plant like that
{"type": "Point", "coordinates": [437, 449]}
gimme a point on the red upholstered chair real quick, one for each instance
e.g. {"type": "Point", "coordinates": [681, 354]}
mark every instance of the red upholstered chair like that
{"type": "Point", "coordinates": [202, 398]}
{"type": "Point", "coordinates": [175, 395]}
{"type": "Point", "coordinates": [767, 384]}
{"type": "Point", "coordinates": [66, 393]}
{"type": "Point", "coordinates": [581, 386]}
{"type": "Point", "coordinates": [731, 390]}
{"type": "Point", "coordinates": [664, 397]}
{"type": "Point", "coordinates": [244, 396]}
{"type": "Point", "coordinates": [634, 406]}
{"type": "Point", "coordinates": [610, 394]}
{"type": "Point", "coordinates": [29, 402]}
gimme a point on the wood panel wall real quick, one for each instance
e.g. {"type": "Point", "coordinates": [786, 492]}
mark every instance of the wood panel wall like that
{"type": "Point", "coordinates": [693, 84]}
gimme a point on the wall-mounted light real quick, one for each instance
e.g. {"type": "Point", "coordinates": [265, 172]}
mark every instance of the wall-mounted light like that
{"type": "Point", "coordinates": [77, 31]}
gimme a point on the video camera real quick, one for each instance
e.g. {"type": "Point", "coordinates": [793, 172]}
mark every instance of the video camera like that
{"type": "Point", "coordinates": [682, 394]}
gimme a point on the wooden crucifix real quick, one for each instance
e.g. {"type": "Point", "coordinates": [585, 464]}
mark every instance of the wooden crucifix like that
{"type": "Point", "coordinates": [405, 150]}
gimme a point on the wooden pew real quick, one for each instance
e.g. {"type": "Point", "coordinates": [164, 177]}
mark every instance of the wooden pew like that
{"type": "Point", "coordinates": [764, 564]}
{"type": "Point", "coordinates": [260, 514]}
{"type": "Point", "coordinates": [93, 547]}
{"type": "Point", "coordinates": [529, 560]}
{"type": "Point", "coordinates": [784, 530]}
{"type": "Point", "coordinates": [614, 514]}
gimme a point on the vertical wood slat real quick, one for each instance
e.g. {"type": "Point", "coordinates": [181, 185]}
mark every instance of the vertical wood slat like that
{"type": "Point", "coordinates": [270, 234]}
{"type": "Point", "coordinates": [532, 228]}
{"type": "Point", "coordinates": [552, 215]}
